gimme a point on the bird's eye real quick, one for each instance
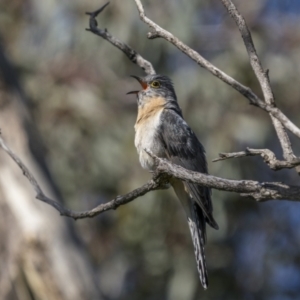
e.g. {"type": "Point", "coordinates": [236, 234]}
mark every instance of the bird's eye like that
{"type": "Point", "coordinates": [155, 84]}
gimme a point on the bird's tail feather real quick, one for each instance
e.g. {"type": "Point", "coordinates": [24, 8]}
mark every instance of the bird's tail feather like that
{"type": "Point", "coordinates": [196, 223]}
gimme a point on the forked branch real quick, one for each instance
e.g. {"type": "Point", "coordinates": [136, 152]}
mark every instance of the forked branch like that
{"type": "Point", "coordinates": [260, 191]}
{"type": "Point", "coordinates": [262, 76]}
{"type": "Point", "coordinates": [279, 120]}
{"type": "Point", "coordinates": [157, 31]}
{"type": "Point", "coordinates": [135, 57]}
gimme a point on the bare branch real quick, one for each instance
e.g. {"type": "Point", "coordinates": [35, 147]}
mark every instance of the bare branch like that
{"type": "Point", "coordinates": [256, 65]}
{"type": "Point", "coordinates": [155, 184]}
{"type": "Point", "coordinates": [135, 57]}
{"type": "Point", "coordinates": [157, 31]}
{"type": "Point", "coordinates": [260, 191]}
{"type": "Point", "coordinates": [254, 189]}
{"type": "Point", "coordinates": [278, 114]}
{"type": "Point", "coordinates": [261, 75]}
{"type": "Point", "coordinates": [267, 155]}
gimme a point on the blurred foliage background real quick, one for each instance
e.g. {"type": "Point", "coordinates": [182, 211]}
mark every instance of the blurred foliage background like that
{"type": "Point", "coordinates": [76, 83]}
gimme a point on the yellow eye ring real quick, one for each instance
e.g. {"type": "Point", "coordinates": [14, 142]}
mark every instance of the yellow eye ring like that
{"type": "Point", "coordinates": [155, 84]}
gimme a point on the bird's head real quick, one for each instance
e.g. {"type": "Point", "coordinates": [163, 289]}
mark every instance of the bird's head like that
{"type": "Point", "coordinates": [154, 86]}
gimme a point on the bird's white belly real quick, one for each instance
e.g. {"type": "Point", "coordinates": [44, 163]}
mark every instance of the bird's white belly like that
{"type": "Point", "coordinates": [146, 137]}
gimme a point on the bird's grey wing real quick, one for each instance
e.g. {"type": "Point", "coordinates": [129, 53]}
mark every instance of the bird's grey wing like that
{"type": "Point", "coordinates": [183, 148]}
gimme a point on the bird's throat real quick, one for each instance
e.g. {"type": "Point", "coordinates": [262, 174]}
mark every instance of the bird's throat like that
{"type": "Point", "coordinates": [150, 108]}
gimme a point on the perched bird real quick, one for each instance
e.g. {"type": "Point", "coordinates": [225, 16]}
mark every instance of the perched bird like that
{"type": "Point", "coordinates": [160, 127]}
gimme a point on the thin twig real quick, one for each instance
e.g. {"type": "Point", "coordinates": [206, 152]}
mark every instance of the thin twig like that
{"type": "Point", "coordinates": [267, 155]}
{"type": "Point", "coordinates": [129, 52]}
{"type": "Point", "coordinates": [157, 31]}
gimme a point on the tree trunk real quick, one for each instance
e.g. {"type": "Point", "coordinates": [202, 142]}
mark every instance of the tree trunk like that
{"type": "Point", "coordinates": [41, 257]}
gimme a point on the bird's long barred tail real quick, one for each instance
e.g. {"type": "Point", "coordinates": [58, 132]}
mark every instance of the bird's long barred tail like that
{"type": "Point", "coordinates": [198, 237]}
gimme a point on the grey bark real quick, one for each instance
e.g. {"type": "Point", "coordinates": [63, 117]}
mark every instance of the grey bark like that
{"type": "Point", "coordinates": [41, 255]}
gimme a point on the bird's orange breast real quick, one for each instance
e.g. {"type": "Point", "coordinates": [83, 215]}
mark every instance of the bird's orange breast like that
{"type": "Point", "coordinates": [146, 127]}
{"type": "Point", "coordinates": [150, 109]}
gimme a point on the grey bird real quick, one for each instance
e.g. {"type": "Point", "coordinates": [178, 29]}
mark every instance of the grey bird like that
{"type": "Point", "coordinates": [160, 127]}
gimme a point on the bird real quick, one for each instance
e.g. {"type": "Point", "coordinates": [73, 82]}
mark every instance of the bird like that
{"type": "Point", "coordinates": [161, 129]}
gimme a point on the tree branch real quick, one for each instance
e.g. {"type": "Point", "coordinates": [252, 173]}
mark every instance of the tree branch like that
{"type": "Point", "coordinates": [156, 183]}
{"type": "Point", "coordinates": [261, 75]}
{"type": "Point", "coordinates": [157, 31]}
{"type": "Point", "coordinates": [135, 57]}
{"type": "Point", "coordinates": [164, 171]}
{"type": "Point", "coordinates": [260, 191]}
{"type": "Point", "coordinates": [267, 155]}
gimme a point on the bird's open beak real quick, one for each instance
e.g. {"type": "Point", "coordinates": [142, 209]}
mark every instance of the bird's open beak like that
{"type": "Point", "coordinates": [142, 83]}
